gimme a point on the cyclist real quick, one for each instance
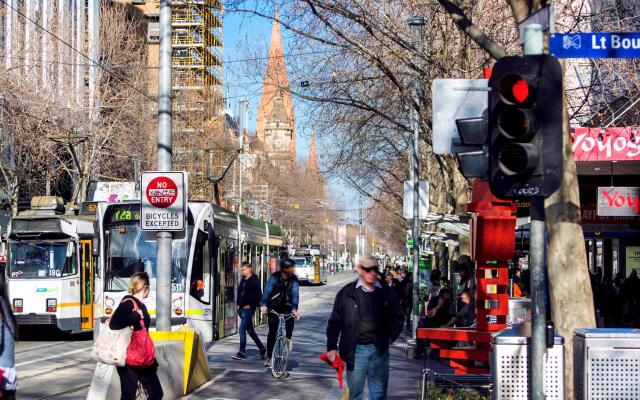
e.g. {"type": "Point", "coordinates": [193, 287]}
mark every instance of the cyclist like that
{"type": "Point", "coordinates": [280, 295]}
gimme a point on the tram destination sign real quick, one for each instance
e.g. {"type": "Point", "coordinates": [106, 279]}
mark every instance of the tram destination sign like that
{"type": "Point", "coordinates": [163, 201]}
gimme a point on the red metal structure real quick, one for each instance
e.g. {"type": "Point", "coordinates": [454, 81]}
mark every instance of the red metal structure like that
{"type": "Point", "coordinates": [493, 227]}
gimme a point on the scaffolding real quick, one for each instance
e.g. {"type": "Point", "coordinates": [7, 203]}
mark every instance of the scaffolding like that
{"type": "Point", "coordinates": [197, 85]}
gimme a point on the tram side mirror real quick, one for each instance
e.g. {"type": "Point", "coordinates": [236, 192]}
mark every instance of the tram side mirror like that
{"type": "Point", "coordinates": [95, 246]}
{"type": "Point", "coordinates": [95, 241]}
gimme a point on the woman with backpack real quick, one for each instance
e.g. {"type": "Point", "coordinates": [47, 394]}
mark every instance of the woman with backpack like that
{"type": "Point", "coordinates": [133, 313]}
{"type": "Point", "coordinates": [7, 347]}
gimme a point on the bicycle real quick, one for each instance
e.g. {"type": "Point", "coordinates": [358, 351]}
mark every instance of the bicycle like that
{"type": "Point", "coordinates": [280, 356]}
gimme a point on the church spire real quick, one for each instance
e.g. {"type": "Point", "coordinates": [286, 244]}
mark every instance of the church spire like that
{"type": "Point", "coordinates": [312, 164]}
{"type": "Point", "coordinates": [276, 84]}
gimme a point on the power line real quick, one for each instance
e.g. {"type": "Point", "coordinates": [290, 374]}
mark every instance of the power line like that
{"type": "Point", "coordinates": [127, 82]}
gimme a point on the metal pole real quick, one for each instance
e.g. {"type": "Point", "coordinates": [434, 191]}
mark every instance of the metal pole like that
{"type": "Point", "coordinates": [165, 163]}
{"type": "Point", "coordinates": [533, 45]}
{"type": "Point", "coordinates": [416, 24]}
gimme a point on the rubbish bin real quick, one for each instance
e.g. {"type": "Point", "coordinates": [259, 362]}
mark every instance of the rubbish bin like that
{"type": "Point", "coordinates": [510, 354]}
{"type": "Point", "coordinates": [606, 364]}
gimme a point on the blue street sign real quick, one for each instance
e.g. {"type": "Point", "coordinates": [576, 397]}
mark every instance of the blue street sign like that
{"type": "Point", "coordinates": [595, 45]}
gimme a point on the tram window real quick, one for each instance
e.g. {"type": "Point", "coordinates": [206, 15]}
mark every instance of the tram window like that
{"type": "Point", "coordinates": [200, 285]}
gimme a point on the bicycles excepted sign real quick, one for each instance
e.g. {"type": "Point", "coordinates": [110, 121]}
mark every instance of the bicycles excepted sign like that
{"type": "Point", "coordinates": [619, 201]}
{"type": "Point", "coordinates": [163, 201]}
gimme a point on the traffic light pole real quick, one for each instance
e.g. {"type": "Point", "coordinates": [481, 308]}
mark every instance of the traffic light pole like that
{"type": "Point", "coordinates": [534, 44]}
{"type": "Point", "coordinates": [416, 24]}
{"type": "Point", "coordinates": [165, 163]}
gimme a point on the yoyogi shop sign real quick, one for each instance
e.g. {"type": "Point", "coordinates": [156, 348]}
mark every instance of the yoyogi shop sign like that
{"type": "Point", "coordinates": [163, 201]}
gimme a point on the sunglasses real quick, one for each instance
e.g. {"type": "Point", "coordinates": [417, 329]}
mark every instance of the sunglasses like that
{"type": "Point", "coordinates": [370, 269]}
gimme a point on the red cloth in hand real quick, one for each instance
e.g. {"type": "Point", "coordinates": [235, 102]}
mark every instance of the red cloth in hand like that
{"type": "Point", "coordinates": [337, 364]}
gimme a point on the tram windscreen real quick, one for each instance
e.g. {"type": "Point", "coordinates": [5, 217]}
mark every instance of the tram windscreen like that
{"type": "Point", "coordinates": [41, 260]}
{"type": "Point", "coordinates": [128, 252]}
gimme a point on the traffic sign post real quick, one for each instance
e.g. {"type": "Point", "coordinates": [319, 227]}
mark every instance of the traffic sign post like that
{"type": "Point", "coordinates": [163, 202]}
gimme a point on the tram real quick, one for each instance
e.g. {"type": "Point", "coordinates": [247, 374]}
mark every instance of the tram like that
{"type": "Point", "coordinates": [205, 262]}
{"type": "Point", "coordinates": [311, 265]}
{"type": "Point", "coordinates": [50, 266]}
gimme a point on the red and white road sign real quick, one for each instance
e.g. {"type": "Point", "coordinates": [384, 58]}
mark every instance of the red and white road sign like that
{"type": "Point", "coordinates": [164, 201]}
{"type": "Point", "coordinates": [162, 192]}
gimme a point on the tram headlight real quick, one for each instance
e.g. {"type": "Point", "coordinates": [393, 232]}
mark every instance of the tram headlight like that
{"type": "Point", "coordinates": [108, 302]}
{"type": "Point", "coordinates": [18, 305]}
{"type": "Point", "coordinates": [52, 305]}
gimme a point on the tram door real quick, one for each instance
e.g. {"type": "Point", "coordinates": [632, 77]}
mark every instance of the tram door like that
{"type": "Point", "coordinates": [86, 284]}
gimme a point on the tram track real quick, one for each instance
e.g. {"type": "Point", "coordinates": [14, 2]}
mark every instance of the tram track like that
{"type": "Point", "coordinates": [66, 392]}
{"type": "Point", "coordinates": [31, 349]}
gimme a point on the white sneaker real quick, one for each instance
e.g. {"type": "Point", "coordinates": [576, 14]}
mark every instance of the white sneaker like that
{"type": "Point", "coordinates": [289, 344]}
{"type": "Point", "coordinates": [267, 363]}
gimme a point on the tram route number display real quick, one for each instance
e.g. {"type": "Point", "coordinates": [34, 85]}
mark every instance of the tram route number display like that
{"type": "Point", "coordinates": [163, 201]}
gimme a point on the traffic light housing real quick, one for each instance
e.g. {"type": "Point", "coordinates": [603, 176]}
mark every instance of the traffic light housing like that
{"type": "Point", "coordinates": [525, 126]}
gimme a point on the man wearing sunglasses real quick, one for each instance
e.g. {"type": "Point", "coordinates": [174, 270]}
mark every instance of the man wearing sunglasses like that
{"type": "Point", "coordinates": [366, 319]}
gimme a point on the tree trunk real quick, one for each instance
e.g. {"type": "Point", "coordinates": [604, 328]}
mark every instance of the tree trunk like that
{"type": "Point", "coordinates": [569, 284]}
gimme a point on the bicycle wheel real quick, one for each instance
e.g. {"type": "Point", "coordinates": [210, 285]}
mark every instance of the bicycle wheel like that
{"type": "Point", "coordinates": [279, 358]}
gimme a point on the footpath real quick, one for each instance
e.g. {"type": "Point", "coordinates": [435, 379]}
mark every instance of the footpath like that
{"type": "Point", "coordinates": [309, 378]}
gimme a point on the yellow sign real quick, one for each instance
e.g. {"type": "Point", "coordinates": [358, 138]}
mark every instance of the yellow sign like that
{"type": "Point", "coordinates": [296, 206]}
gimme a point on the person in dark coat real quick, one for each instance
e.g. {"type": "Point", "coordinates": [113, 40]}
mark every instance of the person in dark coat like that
{"type": "Point", "coordinates": [365, 320]}
{"type": "Point", "coordinates": [126, 316]}
{"type": "Point", "coordinates": [249, 296]}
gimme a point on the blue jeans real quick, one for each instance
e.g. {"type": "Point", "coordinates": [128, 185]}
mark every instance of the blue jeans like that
{"type": "Point", "coordinates": [246, 326]}
{"type": "Point", "coordinates": [371, 365]}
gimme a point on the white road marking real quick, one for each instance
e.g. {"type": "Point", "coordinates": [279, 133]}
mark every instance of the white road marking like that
{"type": "Point", "coordinates": [39, 360]}
{"type": "Point", "coordinates": [264, 370]}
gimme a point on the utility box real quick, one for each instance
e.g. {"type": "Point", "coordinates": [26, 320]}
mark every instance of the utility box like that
{"type": "Point", "coordinates": [510, 355]}
{"type": "Point", "coordinates": [606, 364]}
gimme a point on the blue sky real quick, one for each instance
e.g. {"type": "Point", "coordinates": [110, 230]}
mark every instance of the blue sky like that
{"type": "Point", "coordinates": [238, 29]}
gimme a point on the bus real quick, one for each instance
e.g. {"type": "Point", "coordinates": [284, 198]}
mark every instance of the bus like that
{"type": "Point", "coordinates": [205, 263]}
{"type": "Point", "coordinates": [50, 267]}
{"type": "Point", "coordinates": [311, 265]}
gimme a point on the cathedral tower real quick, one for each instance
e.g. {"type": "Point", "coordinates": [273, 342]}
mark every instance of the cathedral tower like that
{"type": "Point", "coordinates": [276, 121]}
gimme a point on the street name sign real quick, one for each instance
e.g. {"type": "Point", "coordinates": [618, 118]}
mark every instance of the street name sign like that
{"type": "Point", "coordinates": [455, 99]}
{"type": "Point", "coordinates": [423, 200]}
{"type": "Point", "coordinates": [163, 201]}
{"type": "Point", "coordinates": [595, 45]}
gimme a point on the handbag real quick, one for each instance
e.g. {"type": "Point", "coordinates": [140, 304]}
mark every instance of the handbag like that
{"type": "Point", "coordinates": [141, 352]}
{"type": "Point", "coordinates": [111, 345]}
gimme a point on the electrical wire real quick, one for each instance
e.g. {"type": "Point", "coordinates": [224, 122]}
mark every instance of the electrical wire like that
{"type": "Point", "coordinates": [120, 78]}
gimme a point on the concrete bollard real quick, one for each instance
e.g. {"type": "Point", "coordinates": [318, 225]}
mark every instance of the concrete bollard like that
{"type": "Point", "coordinates": [182, 367]}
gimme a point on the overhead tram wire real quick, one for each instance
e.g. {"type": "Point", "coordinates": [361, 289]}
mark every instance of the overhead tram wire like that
{"type": "Point", "coordinates": [113, 74]}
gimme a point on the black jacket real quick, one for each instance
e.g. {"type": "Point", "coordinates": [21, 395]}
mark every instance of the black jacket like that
{"type": "Point", "coordinates": [345, 322]}
{"type": "Point", "coordinates": [249, 292]}
{"type": "Point", "coordinates": [125, 315]}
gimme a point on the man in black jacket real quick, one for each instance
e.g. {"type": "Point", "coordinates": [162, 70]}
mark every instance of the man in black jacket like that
{"type": "Point", "coordinates": [249, 295]}
{"type": "Point", "coordinates": [366, 318]}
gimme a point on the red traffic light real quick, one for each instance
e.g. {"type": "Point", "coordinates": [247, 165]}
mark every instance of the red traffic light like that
{"type": "Point", "coordinates": [514, 90]}
{"type": "Point", "coordinates": [520, 90]}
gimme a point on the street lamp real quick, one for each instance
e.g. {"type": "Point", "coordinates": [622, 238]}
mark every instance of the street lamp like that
{"type": "Point", "coordinates": [416, 25]}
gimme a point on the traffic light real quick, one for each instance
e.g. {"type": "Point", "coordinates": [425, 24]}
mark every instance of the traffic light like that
{"type": "Point", "coordinates": [525, 126]}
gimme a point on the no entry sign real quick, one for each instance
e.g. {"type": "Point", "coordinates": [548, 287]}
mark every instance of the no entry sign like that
{"type": "Point", "coordinates": [163, 201]}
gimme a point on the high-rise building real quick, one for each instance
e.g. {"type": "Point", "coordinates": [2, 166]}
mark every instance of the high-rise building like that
{"type": "Point", "coordinates": [197, 81]}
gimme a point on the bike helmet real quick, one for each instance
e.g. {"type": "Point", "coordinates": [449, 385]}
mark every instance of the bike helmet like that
{"type": "Point", "coordinates": [287, 263]}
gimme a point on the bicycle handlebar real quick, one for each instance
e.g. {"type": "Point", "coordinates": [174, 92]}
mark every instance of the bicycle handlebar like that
{"type": "Point", "coordinates": [285, 316]}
